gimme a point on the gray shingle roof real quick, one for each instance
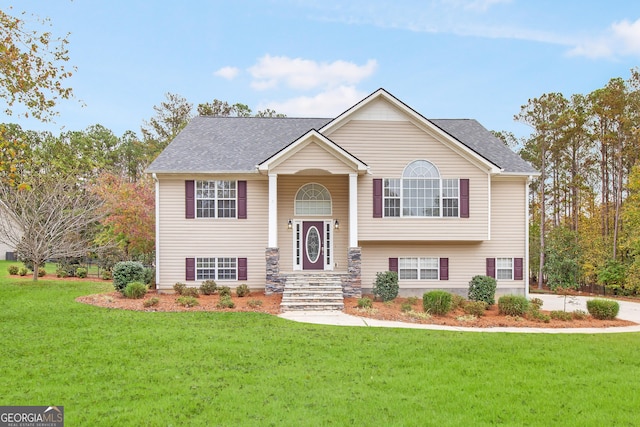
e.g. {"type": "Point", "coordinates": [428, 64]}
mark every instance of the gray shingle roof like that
{"type": "Point", "coordinates": [230, 144]}
{"type": "Point", "coordinates": [479, 139]}
{"type": "Point", "coordinates": [238, 144]}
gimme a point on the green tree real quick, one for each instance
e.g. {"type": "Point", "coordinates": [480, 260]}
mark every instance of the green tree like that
{"type": "Point", "coordinates": [563, 259]}
{"type": "Point", "coordinates": [172, 115]}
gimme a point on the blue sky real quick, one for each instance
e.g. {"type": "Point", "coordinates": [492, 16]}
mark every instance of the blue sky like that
{"type": "Point", "coordinates": [479, 59]}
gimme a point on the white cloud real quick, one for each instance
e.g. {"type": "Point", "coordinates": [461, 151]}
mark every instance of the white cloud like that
{"type": "Point", "coordinates": [305, 74]}
{"type": "Point", "coordinates": [328, 103]}
{"type": "Point", "coordinates": [228, 73]}
{"type": "Point", "coordinates": [622, 39]}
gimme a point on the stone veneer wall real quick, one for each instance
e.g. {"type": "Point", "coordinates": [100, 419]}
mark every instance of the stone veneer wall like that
{"type": "Point", "coordinates": [274, 282]}
{"type": "Point", "coordinates": [352, 281]}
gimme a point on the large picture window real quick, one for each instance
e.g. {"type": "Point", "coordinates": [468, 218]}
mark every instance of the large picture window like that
{"type": "Point", "coordinates": [216, 199]}
{"type": "Point", "coordinates": [216, 268]}
{"type": "Point", "coordinates": [421, 193]}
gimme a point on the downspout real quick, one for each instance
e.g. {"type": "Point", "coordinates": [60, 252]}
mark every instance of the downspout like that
{"type": "Point", "coordinates": [525, 266]}
{"type": "Point", "coordinates": [155, 178]}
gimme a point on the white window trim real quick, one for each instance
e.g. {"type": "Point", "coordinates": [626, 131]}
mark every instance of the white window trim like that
{"type": "Point", "coordinates": [323, 214]}
{"type": "Point", "coordinates": [216, 268]}
{"type": "Point", "coordinates": [504, 269]}
{"type": "Point", "coordinates": [418, 267]}
{"type": "Point", "coordinates": [215, 199]}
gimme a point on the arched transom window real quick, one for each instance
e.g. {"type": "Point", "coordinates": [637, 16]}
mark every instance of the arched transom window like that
{"type": "Point", "coordinates": [421, 193]}
{"type": "Point", "coordinates": [313, 199]}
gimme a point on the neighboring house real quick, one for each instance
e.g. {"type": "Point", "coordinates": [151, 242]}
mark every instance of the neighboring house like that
{"type": "Point", "coordinates": [8, 233]}
{"type": "Point", "coordinates": [380, 187]}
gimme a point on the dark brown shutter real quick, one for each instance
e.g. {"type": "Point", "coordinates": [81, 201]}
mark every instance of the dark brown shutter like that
{"type": "Point", "coordinates": [190, 273]}
{"type": "Point", "coordinates": [242, 199]}
{"type": "Point", "coordinates": [444, 268]}
{"type": "Point", "coordinates": [190, 205]}
{"type": "Point", "coordinates": [464, 198]}
{"type": "Point", "coordinates": [491, 267]}
{"type": "Point", "coordinates": [242, 269]}
{"type": "Point", "coordinates": [517, 269]}
{"type": "Point", "coordinates": [377, 198]}
{"type": "Point", "coordinates": [393, 264]}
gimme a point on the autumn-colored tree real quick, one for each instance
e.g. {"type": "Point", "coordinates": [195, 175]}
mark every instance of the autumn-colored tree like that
{"type": "Point", "coordinates": [33, 67]}
{"type": "Point", "coordinates": [129, 209]}
{"type": "Point", "coordinates": [172, 115]}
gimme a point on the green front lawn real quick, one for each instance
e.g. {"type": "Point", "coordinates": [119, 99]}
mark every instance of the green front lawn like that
{"type": "Point", "coordinates": [113, 367]}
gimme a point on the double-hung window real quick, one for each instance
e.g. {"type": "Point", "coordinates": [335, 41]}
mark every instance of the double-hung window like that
{"type": "Point", "coordinates": [216, 268]}
{"type": "Point", "coordinates": [216, 199]}
{"type": "Point", "coordinates": [504, 268]}
{"type": "Point", "coordinates": [418, 268]}
{"type": "Point", "coordinates": [421, 193]}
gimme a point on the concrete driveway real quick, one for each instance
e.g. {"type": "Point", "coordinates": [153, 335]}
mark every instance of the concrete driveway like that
{"type": "Point", "coordinates": [628, 311]}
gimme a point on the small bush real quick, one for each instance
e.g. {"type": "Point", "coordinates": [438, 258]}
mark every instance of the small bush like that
{"type": "Point", "coordinates": [457, 301]}
{"type": "Point", "coordinates": [406, 307]}
{"type": "Point", "coordinates": [42, 271]}
{"type": "Point", "coordinates": [179, 287]}
{"type": "Point", "coordinates": [418, 315]}
{"type": "Point", "coordinates": [253, 303]}
{"type": "Point", "coordinates": [413, 300]}
{"type": "Point", "coordinates": [579, 314]}
{"type": "Point", "coordinates": [224, 291]}
{"type": "Point", "coordinates": [208, 287]}
{"type": "Point", "coordinates": [187, 301]}
{"type": "Point", "coordinates": [106, 275]}
{"type": "Point", "coordinates": [23, 271]}
{"type": "Point", "coordinates": [135, 290]}
{"type": "Point", "coordinates": [437, 302]}
{"type": "Point", "coordinates": [148, 276]}
{"type": "Point", "coordinates": [386, 286]}
{"type": "Point", "coordinates": [151, 302]}
{"type": "Point", "coordinates": [81, 272]}
{"type": "Point", "coordinates": [61, 272]}
{"type": "Point", "coordinates": [603, 309]}
{"type": "Point", "coordinates": [13, 269]}
{"type": "Point", "coordinates": [243, 290]}
{"type": "Point", "coordinates": [475, 308]}
{"type": "Point", "coordinates": [226, 302]}
{"type": "Point", "coordinates": [483, 288]}
{"type": "Point", "coordinates": [561, 315]}
{"type": "Point", "coordinates": [537, 302]}
{"type": "Point", "coordinates": [365, 302]}
{"type": "Point", "coordinates": [513, 305]}
{"type": "Point", "coordinates": [190, 292]}
{"type": "Point", "coordinates": [534, 314]}
{"type": "Point", "coordinates": [126, 272]}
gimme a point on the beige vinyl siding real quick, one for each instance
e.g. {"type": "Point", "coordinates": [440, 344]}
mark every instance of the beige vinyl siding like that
{"type": "Point", "coordinates": [388, 147]}
{"type": "Point", "coordinates": [508, 231]}
{"type": "Point", "coordinates": [313, 158]}
{"type": "Point", "coordinates": [181, 238]}
{"type": "Point", "coordinates": [338, 187]}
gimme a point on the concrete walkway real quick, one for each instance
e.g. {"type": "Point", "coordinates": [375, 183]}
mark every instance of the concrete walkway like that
{"type": "Point", "coordinates": [628, 311]}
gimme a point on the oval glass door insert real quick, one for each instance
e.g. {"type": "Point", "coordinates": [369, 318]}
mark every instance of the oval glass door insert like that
{"type": "Point", "coordinates": [313, 244]}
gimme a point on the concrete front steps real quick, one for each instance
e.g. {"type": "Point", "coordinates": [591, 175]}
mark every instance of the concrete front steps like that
{"type": "Point", "coordinates": [312, 292]}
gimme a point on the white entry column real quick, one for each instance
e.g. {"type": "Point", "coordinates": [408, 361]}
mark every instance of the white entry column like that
{"type": "Point", "coordinates": [273, 211]}
{"type": "Point", "coordinates": [353, 210]}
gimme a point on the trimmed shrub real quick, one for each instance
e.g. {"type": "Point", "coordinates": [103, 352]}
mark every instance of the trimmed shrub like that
{"type": "Point", "coordinates": [208, 287]}
{"type": "Point", "coordinates": [126, 272]}
{"type": "Point", "coordinates": [81, 272]}
{"type": "Point", "coordinates": [561, 315]}
{"type": "Point", "coordinates": [23, 271]}
{"type": "Point", "coordinates": [475, 308]}
{"type": "Point", "coordinates": [243, 290]}
{"type": "Point", "coordinates": [151, 302]}
{"type": "Point", "coordinates": [437, 302]}
{"type": "Point", "coordinates": [226, 302]}
{"type": "Point", "coordinates": [224, 291]}
{"type": "Point", "coordinates": [253, 303]}
{"type": "Point", "coordinates": [190, 292]}
{"type": "Point", "coordinates": [603, 309]}
{"type": "Point", "coordinates": [187, 301]}
{"type": "Point", "coordinates": [457, 301]}
{"type": "Point", "coordinates": [482, 288]}
{"type": "Point", "coordinates": [513, 305]}
{"type": "Point", "coordinates": [365, 302]}
{"type": "Point", "coordinates": [386, 286]}
{"type": "Point", "coordinates": [13, 269]}
{"type": "Point", "coordinates": [135, 290]}
{"type": "Point", "coordinates": [61, 272]}
{"type": "Point", "coordinates": [179, 287]}
{"type": "Point", "coordinates": [42, 271]}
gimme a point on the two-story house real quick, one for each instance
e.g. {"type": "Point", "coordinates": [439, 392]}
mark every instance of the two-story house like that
{"type": "Point", "coordinates": [380, 187]}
